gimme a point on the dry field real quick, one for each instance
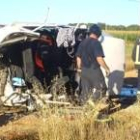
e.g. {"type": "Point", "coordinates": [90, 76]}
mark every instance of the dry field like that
{"type": "Point", "coordinates": [121, 125]}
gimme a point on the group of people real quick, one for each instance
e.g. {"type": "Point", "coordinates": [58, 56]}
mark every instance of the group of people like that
{"type": "Point", "coordinates": [90, 59]}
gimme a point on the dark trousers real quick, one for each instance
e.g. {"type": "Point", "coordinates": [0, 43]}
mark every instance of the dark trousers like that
{"type": "Point", "coordinates": [92, 84]}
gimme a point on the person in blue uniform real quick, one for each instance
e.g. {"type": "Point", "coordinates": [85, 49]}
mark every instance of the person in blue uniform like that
{"type": "Point", "coordinates": [90, 59]}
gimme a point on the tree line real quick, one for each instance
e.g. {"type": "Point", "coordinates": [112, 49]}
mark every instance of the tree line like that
{"type": "Point", "coordinates": [104, 26]}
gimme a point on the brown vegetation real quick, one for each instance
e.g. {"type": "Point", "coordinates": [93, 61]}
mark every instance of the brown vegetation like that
{"type": "Point", "coordinates": [122, 125]}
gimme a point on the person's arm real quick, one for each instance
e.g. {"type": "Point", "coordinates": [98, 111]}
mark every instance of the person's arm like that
{"type": "Point", "coordinates": [102, 63]}
{"type": "Point", "coordinates": [79, 63]}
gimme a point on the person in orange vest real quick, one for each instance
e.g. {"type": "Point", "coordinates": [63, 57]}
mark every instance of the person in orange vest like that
{"type": "Point", "coordinates": [136, 59]}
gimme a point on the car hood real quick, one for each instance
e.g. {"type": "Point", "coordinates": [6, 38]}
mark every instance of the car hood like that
{"type": "Point", "coordinates": [13, 33]}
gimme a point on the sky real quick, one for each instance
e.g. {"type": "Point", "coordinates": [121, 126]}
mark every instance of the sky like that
{"type": "Point", "coordinates": [112, 12]}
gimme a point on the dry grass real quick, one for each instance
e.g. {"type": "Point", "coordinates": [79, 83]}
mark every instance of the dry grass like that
{"type": "Point", "coordinates": [124, 126]}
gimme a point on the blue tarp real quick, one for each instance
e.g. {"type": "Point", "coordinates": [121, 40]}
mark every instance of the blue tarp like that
{"type": "Point", "coordinates": [128, 91]}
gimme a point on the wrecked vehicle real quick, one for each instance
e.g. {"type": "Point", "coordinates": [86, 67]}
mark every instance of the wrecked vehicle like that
{"type": "Point", "coordinates": [39, 65]}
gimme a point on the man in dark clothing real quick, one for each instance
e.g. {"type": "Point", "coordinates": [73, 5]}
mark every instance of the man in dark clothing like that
{"type": "Point", "coordinates": [89, 58]}
{"type": "Point", "coordinates": [136, 59]}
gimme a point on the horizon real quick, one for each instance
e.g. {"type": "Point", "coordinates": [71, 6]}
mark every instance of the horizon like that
{"type": "Point", "coordinates": [55, 24]}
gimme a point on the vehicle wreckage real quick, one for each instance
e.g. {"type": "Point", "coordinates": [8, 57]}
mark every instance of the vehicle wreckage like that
{"type": "Point", "coordinates": [37, 65]}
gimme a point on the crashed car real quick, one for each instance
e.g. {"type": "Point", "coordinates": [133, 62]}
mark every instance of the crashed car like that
{"type": "Point", "coordinates": [41, 62]}
{"type": "Point", "coordinates": [31, 61]}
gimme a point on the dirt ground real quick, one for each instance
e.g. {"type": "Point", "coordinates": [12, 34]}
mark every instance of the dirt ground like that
{"type": "Point", "coordinates": [132, 73]}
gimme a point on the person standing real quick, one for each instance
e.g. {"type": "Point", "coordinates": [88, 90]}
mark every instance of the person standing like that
{"type": "Point", "coordinates": [89, 58]}
{"type": "Point", "coordinates": [136, 59]}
